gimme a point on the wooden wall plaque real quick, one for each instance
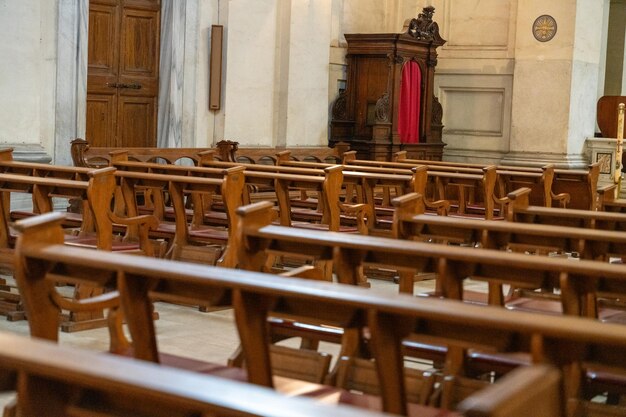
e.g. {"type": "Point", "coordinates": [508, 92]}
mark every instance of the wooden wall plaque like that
{"type": "Point", "coordinates": [215, 67]}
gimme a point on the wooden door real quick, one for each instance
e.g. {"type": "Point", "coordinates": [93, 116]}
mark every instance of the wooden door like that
{"type": "Point", "coordinates": [123, 72]}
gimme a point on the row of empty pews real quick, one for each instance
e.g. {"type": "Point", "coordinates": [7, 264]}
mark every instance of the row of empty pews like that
{"type": "Point", "coordinates": [544, 338]}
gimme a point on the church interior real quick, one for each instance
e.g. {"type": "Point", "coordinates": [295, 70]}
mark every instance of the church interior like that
{"type": "Point", "coordinates": [312, 207]}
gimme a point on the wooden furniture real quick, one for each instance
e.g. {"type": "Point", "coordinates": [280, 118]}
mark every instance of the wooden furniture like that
{"type": "Point", "coordinates": [572, 344]}
{"type": "Point", "coordinates": [58, 381]}
{"type": "Point", "coordinates": [122, 78]}
{"type": "Point", "coordinates": [229, 151]}
{"type": "Point", "coordinates": [573, 188]}
{"type": "Point", "coordinates": [365, 115]}
{"type": "Point", "coordinates": [188, 240]}
{"type": "Point", "coordinates": [94, 189]}
{"type": "Point", "coordinates": [85, 155]}
{"type": "Point", "coordinates": [607, 115]}
{"type": "Point", "coordinates": [536, 236]}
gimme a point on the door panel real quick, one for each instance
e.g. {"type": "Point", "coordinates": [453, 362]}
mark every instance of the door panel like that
{"type": "Point", "coordinates": [140, 39]}
{"type": "Point", "coordinates": [101, 110]}
{"type": "Point", "coordinates": [137, 121]}
{"type": "Point", "coordinates": [123, 78]}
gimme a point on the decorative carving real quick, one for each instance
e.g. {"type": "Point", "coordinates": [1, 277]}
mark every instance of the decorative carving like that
{"type": "Point", "coordinates": [382, 109]}
{"type": "Point", "coordinates": [226, 150]}
{"type": "Point", "coordinates": [424, 28]}
{"type": "Point", "coordinates": [544, 28]}
{"type": "Point", "coordinates": [340, 107]}
{"type": "Point", "coordinates": [437, 112]}
{"type": "Point", "coordinates": [78, 148]}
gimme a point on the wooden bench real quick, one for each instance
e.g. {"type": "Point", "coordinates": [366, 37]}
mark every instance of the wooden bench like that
{"type": "Point", "coordinates": [280, 180]}
{"type": "Point", "coordinates": [84, 155]}
{"type": "Point", "coordinates": [522, 211]}
{"type": "Point", "coordinates": [507, 179]}
{"type": "Point", "coordinates": [229, 151]}
{"type": "Point", "coordinates": [188, 240]}
{"type": "Point", "coordinates": [57, 381]}
{"type": "Point", "coordinates": [95, 228]}
{"type": "Point", "coordinates": [108, 385]}
{"type": "Point", "coordinates": [573, 344]}
{"type": "Point", "coordinates": [580, 282]}
{"type": "Point", "coordinates": [469, 191]}
{"type": "Point", "coordinates": [252, 295]}
{"type": "Point", "coordinates": [570, 187]}
{"type": "Point", "coordinates": [441, 186]}
{"type": "Point", "coordinates": [543, 239]}
{"type": "Point", "coordinates": [350, 253]}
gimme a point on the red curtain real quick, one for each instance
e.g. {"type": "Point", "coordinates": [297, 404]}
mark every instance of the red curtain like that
{"type": "Point", "coordinates": [410, 98]}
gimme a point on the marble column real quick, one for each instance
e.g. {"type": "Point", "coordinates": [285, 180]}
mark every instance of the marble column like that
{"type": "Point", "coordinates": [555, 83]}
{"type": "Point", "coordinates": [71, 79]}
{"type": "Point", "coordinates": [171, 74]}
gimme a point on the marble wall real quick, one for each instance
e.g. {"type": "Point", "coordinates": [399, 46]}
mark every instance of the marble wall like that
{"type": "Point", "coordinates": [474, 78]}
{"type": "Point", "coordinates": [504, 94]}
{"type": "Point", "coordinates": [27, 77]}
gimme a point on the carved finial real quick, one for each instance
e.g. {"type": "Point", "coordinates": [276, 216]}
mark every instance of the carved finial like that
{"type": "Point", "coordinates": [424, 28]}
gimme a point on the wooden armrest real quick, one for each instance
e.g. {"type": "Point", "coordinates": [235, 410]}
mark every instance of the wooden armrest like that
{"type": "Point", "coordinates": [441, 206]}
{"type": "Point", "coordinates": [147, 219]}
{"type": "Point", "coordinates": [562, 198]}
{"type": "Point", "coordinates": [99, 302]}
{"type": "Point", "coordinates": [519, 193]}
{"type": "Point", "coordinates": [362, 212]}
{"type": "Point", "coordinates": [607, 193]}
{"type": "Point", "coordinates": [510, 396]}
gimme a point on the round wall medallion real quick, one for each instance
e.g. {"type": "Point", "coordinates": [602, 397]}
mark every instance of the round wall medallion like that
{"type": "Point", "coordinates": [544, 28]}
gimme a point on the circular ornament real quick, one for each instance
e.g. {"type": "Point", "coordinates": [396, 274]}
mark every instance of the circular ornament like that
{"type": "Point", "coordinates": [544, 28]}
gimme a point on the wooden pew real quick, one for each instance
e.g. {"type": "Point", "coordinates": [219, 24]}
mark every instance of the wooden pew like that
{"type": "Point", "coordinates": [95, 230]}
{"type": "Point", "coordinates": [542, 239]}
{"type": "Point", "coordinates": [573, 344]}
{"type": "Point", "coordinates": [570, 187]}
{"type": "Point", "coordinates": [76, 381]}
{"type": "Point", "coordinates": [58, 381]}
{"type": "Point", "coordinates": [467, 185]}
{"type": "Point", "coordinates": [507, 179]}
{"type": "Point", "coordinates": [189, 240]}
{"type": "Point", "coordinates": [325, 182]}
{"type": "Point", "coordinates": [522, 211]}
{"type": "Point", "coordinates": [350, 253]}
{"type": "Point", "coordinates": [84, 155]}
{"type": "Point", "coordinates": [229, 151]}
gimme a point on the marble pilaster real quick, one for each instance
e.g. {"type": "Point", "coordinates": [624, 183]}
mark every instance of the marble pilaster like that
{"type": "Point", "coordinates": [556, 82]}
{"type": "Point", "coordinates": [171, 74]}
{"type": "Point", "coordinates": [71, 79]}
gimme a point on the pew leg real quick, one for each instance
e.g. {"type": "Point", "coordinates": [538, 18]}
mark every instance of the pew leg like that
{"type": "Point", "coordinates": [352, 346]}
{"type": "Point", "coordinates": [406, 281]}
{"type": "Point", "coordinates": [84, 320]}
{"type": "Point", "coordinates": [309, 344]}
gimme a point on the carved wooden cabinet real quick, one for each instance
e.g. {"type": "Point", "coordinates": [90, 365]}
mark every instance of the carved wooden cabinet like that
{"type": "Point", "coordinates": [366, 113]}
